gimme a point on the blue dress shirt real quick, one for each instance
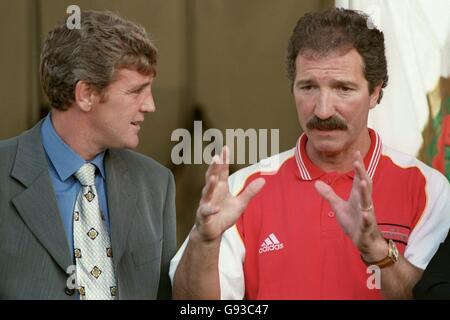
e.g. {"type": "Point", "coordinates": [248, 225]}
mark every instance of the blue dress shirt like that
{"type": "Point", "coordinates": [63, 163]}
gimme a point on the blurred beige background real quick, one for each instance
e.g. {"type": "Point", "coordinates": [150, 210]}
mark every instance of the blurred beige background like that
{"type": "Point", "coordinates": [223, 58]}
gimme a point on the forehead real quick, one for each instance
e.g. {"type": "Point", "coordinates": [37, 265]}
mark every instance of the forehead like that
{"type": "Point", "coordinates": [336, 64]}
{"type": "Point", "coordinates": [130, 78]}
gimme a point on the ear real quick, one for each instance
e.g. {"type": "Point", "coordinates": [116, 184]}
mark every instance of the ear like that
{"type": "Point", "coordinates": [85, 96]}
{"type": "Point", "coordinates": [373, 99]}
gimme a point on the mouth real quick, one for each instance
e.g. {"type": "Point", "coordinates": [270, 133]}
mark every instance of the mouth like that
{"type": "Point", "coordinates": [326, 125]}
{"type": "Point", "coordinates": [137, 124]}
{"type": "Point", "coordinates": [325, 132]}
{"type": "Point", "coordinates": [327, 129]}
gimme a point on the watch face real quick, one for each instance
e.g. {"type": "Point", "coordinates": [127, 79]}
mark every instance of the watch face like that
{"type": "Point", "coordinates": [396, 254]}
{"type": "Point", "coordinates": [394, 250]}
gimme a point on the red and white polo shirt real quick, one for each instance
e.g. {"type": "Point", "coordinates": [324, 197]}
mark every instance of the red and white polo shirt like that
{"type": "Point", "coordinates": [288, 244]}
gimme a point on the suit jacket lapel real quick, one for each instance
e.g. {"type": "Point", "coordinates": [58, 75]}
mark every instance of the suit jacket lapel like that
{"type": "Point", "coordinates": [122, 206]}
{"type": "Point", "coordinates": [37, 203]}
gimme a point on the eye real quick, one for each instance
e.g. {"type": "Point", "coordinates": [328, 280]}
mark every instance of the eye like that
{"type": "Point", "coordinates": [307, 87]}
{"type": "Point", "coordinates": [137, 91]}
{"type": "Point", "coordinates": [345, 89]}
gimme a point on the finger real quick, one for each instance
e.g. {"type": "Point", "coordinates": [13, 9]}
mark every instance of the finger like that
{"type": "Point", "coordinates": [360, 169]}
{"type": "Point", "coordinates": [213, 168]}
{"type": "Point", "coordinates": [208, 189]}
{"type": "Point", "coordinates": [364, 183]}
{"type": "Point", "coordinates": [355, 193]}
{"type": "Point", "coordinates": [251, 190]}
{"type": "Point", "coordinates": [328, 194]}
{"type": "Point", "coordinates": [225, 163]}
{"type": "Point", "coordinates": [225, 155]}
{"type": "Point", "coordinates": [366, 197]}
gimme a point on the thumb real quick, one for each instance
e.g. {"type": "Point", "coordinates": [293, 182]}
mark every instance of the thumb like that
{"type": "Point", "coordinates": [251, 190]}
{"type": "Point", "coordinates": [328, 194]}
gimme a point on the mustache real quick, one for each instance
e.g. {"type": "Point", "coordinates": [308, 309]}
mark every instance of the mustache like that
{"type": "Point", "coordinates": [331, 123]}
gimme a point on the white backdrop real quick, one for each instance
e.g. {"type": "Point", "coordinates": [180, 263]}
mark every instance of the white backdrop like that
{"type": "Point", "coordinates": [417, 39]}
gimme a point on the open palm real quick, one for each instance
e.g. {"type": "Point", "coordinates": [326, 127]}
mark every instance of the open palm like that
{"type": "Point", "coordinates": [356, 215]}
{"type": "Point", "coordinates": [218, 209]}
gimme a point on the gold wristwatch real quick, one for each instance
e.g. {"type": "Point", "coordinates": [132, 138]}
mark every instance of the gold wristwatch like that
{"type": "Point", "coordinates": [390, 259]}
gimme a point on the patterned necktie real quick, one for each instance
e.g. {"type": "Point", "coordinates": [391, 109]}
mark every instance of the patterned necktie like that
{"type": "Point", "coordinates": [92, 245]}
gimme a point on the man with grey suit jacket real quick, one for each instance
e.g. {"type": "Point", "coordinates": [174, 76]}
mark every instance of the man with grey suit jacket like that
{"type": "Point", "coordinates": [81, 216]}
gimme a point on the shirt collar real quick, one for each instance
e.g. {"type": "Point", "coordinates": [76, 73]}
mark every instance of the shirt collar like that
{"type": "Point", "coordinates": [65, 160]}
{"type": "Point", "coordinates": [307, 170]}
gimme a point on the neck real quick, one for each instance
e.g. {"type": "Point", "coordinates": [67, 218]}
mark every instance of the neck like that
{"type": "Point", "coordinates": [74, 130]}
{"type": "Point", "coordinates": [341, 161]}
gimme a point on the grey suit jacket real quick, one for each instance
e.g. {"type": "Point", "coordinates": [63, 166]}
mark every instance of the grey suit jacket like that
{"type": "Point", "coordinates": [34, 252]}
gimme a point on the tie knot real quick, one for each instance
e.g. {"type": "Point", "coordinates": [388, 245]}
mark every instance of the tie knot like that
{"type": "Point", "coordinates": [86, 174]}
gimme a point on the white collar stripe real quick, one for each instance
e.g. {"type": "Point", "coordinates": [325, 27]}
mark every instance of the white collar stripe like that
{"type": "Point", "coordinates": [375, 157]}
{"type": "Point", "coordinates": [300, 169]}
{"type": "Point", "coordinates": [301, 165]}
{"type": "Point", "coordinates": [372, 164]}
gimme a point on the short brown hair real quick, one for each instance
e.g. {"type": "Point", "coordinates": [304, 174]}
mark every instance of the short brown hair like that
{"type": "Point", "coordinates": [104, 44]}
{"type": "Point", "coordinates": [335, 29]}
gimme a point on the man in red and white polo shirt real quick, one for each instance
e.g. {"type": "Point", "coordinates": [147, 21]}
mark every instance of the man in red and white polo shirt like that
{"type": "Point", "coordinates": [340, 216]}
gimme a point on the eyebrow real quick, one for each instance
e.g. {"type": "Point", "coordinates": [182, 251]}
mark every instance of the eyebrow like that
{"type": "Point", "coordinates": [345, 83]}
{"type": "Point", "coordinates": [304, 82]}
{"type": "Point", "coordinates": [139, 87]}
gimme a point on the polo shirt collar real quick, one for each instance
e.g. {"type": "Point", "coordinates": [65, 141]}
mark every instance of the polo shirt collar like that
{"type": "Point", "coordinates": [307, 170]}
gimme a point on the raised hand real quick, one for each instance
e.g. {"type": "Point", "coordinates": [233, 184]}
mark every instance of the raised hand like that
{"type": "Point", "coordinates": [218, 209]}
{"type": "Point", "coordinates": [356, 216]}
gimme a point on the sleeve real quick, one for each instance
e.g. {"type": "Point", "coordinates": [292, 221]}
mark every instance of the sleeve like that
{"type": "Point", "coordinates": [433, 226]}
{"type": "Point", "coordinates": [232, 252]}
{"type": "Point", "coordinates": [231, 257]}
{"type": "Point", "coordinates": [169, 239]}
{"type": "Point", "coordinates": [435, 282]}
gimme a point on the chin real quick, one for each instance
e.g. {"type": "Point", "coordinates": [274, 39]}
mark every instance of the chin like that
{"type": "Point", "coordinates": [327, 147]}
{"type": "Point", "coordinates": [132, 145]}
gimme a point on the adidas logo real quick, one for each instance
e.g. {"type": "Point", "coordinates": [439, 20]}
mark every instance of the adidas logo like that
{"type": "Point", "coordinates": [270, 244]}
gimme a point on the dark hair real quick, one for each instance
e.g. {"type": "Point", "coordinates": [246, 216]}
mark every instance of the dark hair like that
{"type": "Point", "coordinates": [104, 44]}
{"type": "Point", "coordinates": [339, 29]}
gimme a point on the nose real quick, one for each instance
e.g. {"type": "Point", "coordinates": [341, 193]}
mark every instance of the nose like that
{"type": "Point", "coordinates": [148, 105]}
{"type": "Point", "coordinates": [324, 108]}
